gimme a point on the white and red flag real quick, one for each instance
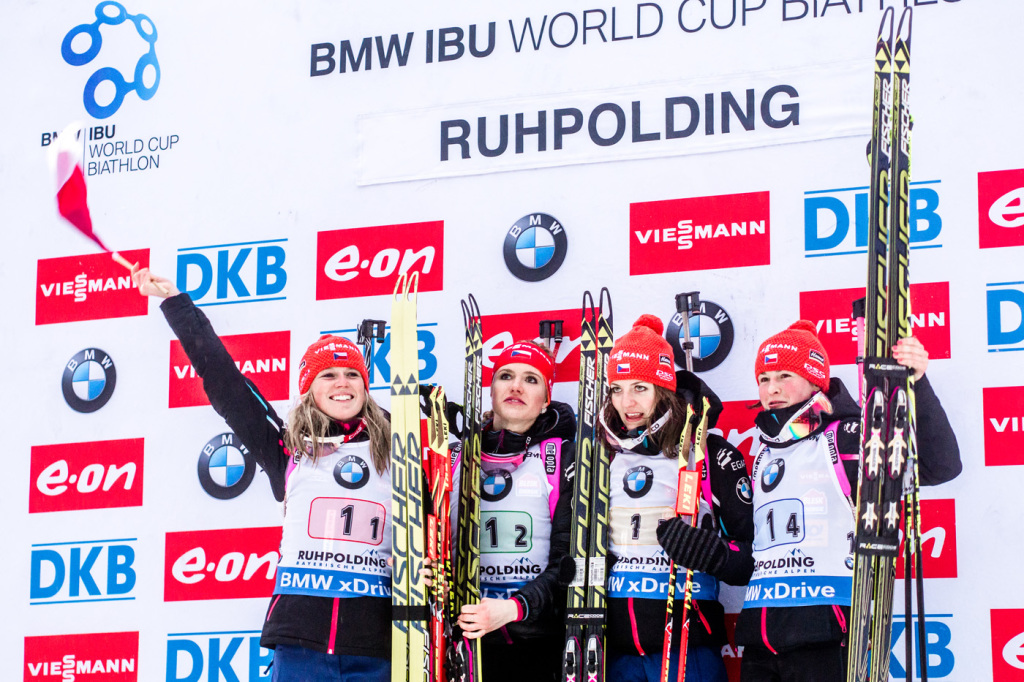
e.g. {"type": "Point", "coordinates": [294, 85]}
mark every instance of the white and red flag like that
{"type": "Point", "coordinates": [66, 166]}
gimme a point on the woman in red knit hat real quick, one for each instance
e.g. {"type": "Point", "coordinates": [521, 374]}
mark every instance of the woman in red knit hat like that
{"type": "Point", "coordinates": [331, 458]}
{"type": "Point", "coordinates": [803, 504]}
{"type": "Point", "coordinates": [642, 421]}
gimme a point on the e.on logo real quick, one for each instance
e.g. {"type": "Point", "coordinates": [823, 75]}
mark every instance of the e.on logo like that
{"type": "Point", "coordinates": [221, 564]}
{"type": "Point", "coordinates": [365, 261]}
{"type": "Point", "coordinates": [938, 540]}
{"type": "Point", "coordinates": [702, 233]}
{"type": "Point", "coordinates": [263, 358]}
{"type": "Point", "coordinates": [89, 287]}
{"type": "Point", "coordinates": [1003, 410]}
{"type": "Point", "coordinates": [96, 475]}
{"type": "Point", "coordinates": [97, 657]}
{"type": "Point", "coordinates": [1001, 208]}
{"type": "Point", "coordinates": [501, 331]}
{"type": "Point", "coordinates": [1007, 645]}
{"type": "Point", "coordinates": [830, 311]}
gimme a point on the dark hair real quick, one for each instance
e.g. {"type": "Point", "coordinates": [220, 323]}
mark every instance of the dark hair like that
{"type": "Point", "coordinates": [666, 440]}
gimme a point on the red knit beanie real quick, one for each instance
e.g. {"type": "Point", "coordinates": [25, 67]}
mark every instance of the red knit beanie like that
{"type": "Point", "coordinates": [642, 354]}
{"type": "Point", "coordinates": [795, 349]}
{"type": "Point", "coordinates": [530, 354]}
{"type": "Point", "coordinates": [330, 351]}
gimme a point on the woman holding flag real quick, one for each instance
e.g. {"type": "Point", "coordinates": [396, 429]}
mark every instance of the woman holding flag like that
{"type": "Point", "coordinates": [642, 420]}
{"type": "Point", "coordinates": [329, 465]}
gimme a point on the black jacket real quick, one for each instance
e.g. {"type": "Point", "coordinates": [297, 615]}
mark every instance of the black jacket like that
{"type": "Point", "coordinates": [733, 518]}
{"type": "Point", "coordinates": [363, 625]}
{"type": "Point", "coordinates": [544, 596]}
{"type": "Point", "coordinates": [787, 628]}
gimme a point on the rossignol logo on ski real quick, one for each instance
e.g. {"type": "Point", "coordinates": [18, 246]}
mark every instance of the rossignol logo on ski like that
{"type": "Point", "coordinates": [700, 233]}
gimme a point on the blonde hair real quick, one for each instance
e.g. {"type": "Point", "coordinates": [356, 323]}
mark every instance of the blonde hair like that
{"type": "Point", "coordinates": [307, 421]}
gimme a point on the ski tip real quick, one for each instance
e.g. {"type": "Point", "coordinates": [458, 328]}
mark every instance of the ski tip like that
{"type": "Point", "coordinates": [588, 300]}
{"type": "Point", "coordinates": [885, 27]}
{"type": "Point", "coordinates": [412, 285]}
{"type": "Point", "coordinates": [400, 286]}
{"type": "Point", "coordinates": [606, 304]}
{"type": "Point", "coordinates": [906, 19]}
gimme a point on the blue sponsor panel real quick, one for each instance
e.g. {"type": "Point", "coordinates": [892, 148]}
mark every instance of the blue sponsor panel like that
{"type": "Point", "coordinates": [797, 590]}
{"type": "Point", "coordinates": [83, 571]}
{"type": "Point", "coordinates": [244, 272]}
{"type": "Point", "coordinates": [1004, 303]}
{"type": "Point", "coordinates": [232, 656]}
{"type": "Point", "coordinates": [836, 220]}
{"type": "Point", "coordinates": [380, 367]}
{"type": "Point", "coordinates": [501, 591]}
{"type": "Point", "coordinates": [941, 658]}
{"type": "Point", "coordinates": [323, 583]}
{"type": "Point", "coordinates": [647, 585]}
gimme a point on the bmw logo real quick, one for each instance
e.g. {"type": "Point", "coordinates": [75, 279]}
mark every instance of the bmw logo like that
{"type": "Point", "coordinates": [225, 467]}
{"type": "Point", "coordinates": [89, 379]}
{"type": "Point", "coordinates": [351, 472]}
{"type": "Point", "coordinates": [744, 491]}
{"type": "Point", "coordinates": [638, 481]}
{"type": "Point", "coordinates": [849, 562]}
{"type": "Point", "coordinates": [772, 476]}
{"type": "Point", "coordinates": [496, 485]}
{"type": "Point", "coordinates": [535, 247]}
{"type": "Point", "coordinates": [711, 332]}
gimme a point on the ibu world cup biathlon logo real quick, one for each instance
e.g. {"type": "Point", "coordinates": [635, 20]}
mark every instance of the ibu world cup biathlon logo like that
{"type": "Point", "coordinates": [89, 380]}
{"type": "Point", "coordinates": [351, 472]}
{"type": "Point", "coordinates": [225, 467]}
{"type": "Point", "coordinates": [535, 247]}
{"type": "Point", "coordinates": [496, 485]}
{"type": "Point", "coordinates": [711, 332]}
{"type": "Point", "coordinates": [83, 43]}
{"type": "Point", "coordinates": [637, 481]}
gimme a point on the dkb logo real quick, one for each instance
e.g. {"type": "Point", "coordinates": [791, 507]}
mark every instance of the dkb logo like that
{"type": "Point", "coordinates": [1005, 304]}
{"type": "Point", "coordinates": [85, 571]}
{"type": "Point", "coordinates": [196, 656]}
{"type": "Point", "coordinates": [218, 275]}
{"type": "Point", "coordinates": [146, 77]}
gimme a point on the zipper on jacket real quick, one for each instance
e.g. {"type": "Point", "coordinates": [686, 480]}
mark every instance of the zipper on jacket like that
{"type": "Point", "coordinates": [334, 627]}
{"type": "Point", "coordinates": [764, 630]}
{"type": "Point", "coordinates": [632, 624]}
{"type": "Point", "coordinates": [841, 618]}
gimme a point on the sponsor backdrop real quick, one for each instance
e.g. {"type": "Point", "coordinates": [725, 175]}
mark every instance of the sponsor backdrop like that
{"type": "Point", "coordinates": [284, 161]}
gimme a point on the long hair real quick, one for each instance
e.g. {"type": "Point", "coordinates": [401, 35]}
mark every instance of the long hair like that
{"type": "Point", "coordinates": [307, 421]}
{"type": "Point", "coordinates": [666, 440]}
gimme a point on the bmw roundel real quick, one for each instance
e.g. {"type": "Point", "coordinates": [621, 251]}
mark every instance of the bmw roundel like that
{"type": "Point", "coordinates": [535, 247]}
{"type": "Point", "coordinates": [637, 481]}
{"type": "Point", "coordinates": [744, 491]}
{"type": "Point", "coordinates": [772, 475]}
{"type": "Point", "coordinates": [496, 485]}
{"type": "Point", "coordinates": [351, 472]}
{"type": "Point", "coordinates": [711, 333]}
{"type": "Point", "coordinates": [225, 467]}
{"type": "Point", "coordinates": [89, 380]}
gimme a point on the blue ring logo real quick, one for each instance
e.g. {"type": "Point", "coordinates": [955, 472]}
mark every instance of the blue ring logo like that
{"type": "Point", "coordinates": [145, 28]}
{"type": "Point", "coordinates": [351, 472]}
{"type": "Point", "coordinates": [89, 380]}
{"type": "Point", "coordinates": [495, 485]}
{"type": "Point", "coordinates": [772, 475]}
{"type": "Point", "coordinates": [711, 332]}
{"type": "Point", "coordinates": [535, 247]}
{"type": "Point", "coordinates": [638, 481]}
{"type": "Point", "coordinates": [225, 467]}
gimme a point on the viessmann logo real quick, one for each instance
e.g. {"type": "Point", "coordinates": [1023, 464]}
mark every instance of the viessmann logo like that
{"type": "Point", "coordinates": [703, 233]}
{"type": "Point", "coordinates": [830, 310]}
{"type": "Point", "coordinates": [263, 358]}
{"type": "Point", "coordinates": [95, 657]}
{"type": "Point", "coordinates": [96, 475]}
{"type": "Point", "coordinates": [364, 261]}
{"type": "Point", "coordinates": [1003, 410]}
{"type": "Point", "coordinates": [1001, 208]}
{"type": "Point", "coordinates": [89, 287]}
{"type": "Point", "coordinates": [501, 331]}
{"type": "Point", "coordinates": [221, 564]}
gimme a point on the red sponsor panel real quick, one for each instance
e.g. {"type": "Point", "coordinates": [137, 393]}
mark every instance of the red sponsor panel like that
{"type": "Point", "coordinates": [1001, 208]}
{"type": "Point", "coordinates": [1008, 645]}
{"type": "Point", "coordinates": [88, 287]}
{"type": "Point", "coordinates": [938, 540]}
{"type": "Point", "coordinates": [1003, 410]}
{"type": "Point", "coordinates": [98, 657]}
{"type": "Point", "coordinates": [736, 424]}
{"type": "Point", "coordinates": [96, 475]}
{"type": "Point", "coordinates": [830, 311]}
{"type": "Point", "coordinates": [366, 261]}
{"type": "Point", "coordinates": [221, 564]}
{"type": "Point", "coordinates": [501, 331]}
{"type": "Point", "coordinates": [263, 358]}
{"type": "Point", "coordinates": [699, 233]}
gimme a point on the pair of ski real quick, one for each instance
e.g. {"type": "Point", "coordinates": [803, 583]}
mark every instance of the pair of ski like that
{"type": "Point", "coordinates": [690, 455]}
{"type": "Point", "coordinates": [888, 461]}
{"type": "Point", "coordinates": [583, 656]}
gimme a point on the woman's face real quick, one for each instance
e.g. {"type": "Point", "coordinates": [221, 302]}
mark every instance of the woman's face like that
{"type": "Point", "coordinates": [339, 393]}
{"type": "Point", "coordinates": [634, 402]}
{"type": "Point", "coordinates": [782, 389]}
{"type": "Point", "coordinates": [518, 394]}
